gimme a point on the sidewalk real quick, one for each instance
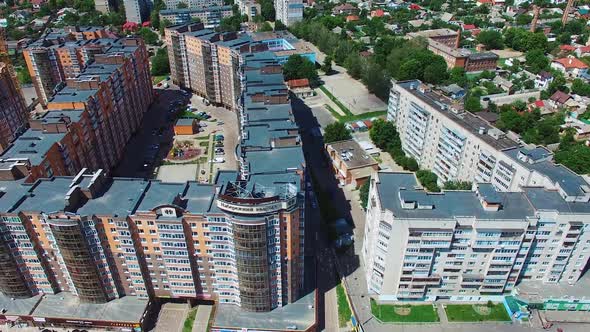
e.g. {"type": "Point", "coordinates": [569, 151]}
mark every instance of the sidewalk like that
{"type": "Point", "coordinates": [202, 318]}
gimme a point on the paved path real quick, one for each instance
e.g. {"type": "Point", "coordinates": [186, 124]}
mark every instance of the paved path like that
{"type": "Point", "coordinates": [202, 318]}
{"type": "Point", "coordinates": [171, 317]}
{"type": "Point", "coordinates": [331, 306]}
{"type": "Point", "coordinates": [442, 314]}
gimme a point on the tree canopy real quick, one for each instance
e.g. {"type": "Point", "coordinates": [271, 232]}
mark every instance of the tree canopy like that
{"type": "Point", "coordinates": [160, 64]}
{"type": "Point", "coordinates": [336, 131]}
{"type": "Point", "coordinates": [492, 39]}
{"type": "Point", "coordinates": [300, 67]}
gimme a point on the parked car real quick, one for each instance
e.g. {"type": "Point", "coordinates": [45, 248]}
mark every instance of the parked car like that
{"type": "Point", "coordinates": [220, 123]}
{"type": "Point", "coordinates": [202, 124]}
{"type": "Point", "coordinates": [218, 160]}
{"type": "Point", "coordinates": [219, 150]}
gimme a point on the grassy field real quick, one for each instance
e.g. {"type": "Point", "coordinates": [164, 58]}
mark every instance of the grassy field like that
{"type": "Point", "coordinates": [344, 312]}
{"type": "Point", "coordinates": [190, 318]}
{"type": "Point", "coordinates": [468, 313]}
{"type": "Point", "coordinates": [157, 79]}
{"type": "Point", "coordinates": [399, 313]}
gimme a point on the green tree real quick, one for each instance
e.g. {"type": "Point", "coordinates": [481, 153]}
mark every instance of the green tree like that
{"type": "Point", "coordinates": [376, 79]}
{"type": "Point", "coordinates": [23, 76]}
{"type": "Point", "coordinates": [436, 71]}
{"type": "Point", "coordinates": [300, 67]}
{"type": "Point", "coordinates": [492, 39]}
{"type": "Point", "coordinates": [364, 193]}
{"type": "Point", "coordinates": [163, 24]}
{"type": "Point", "coordinates": [536, 61]}
{"type": "Point", "coordinates": [327, 66]}
{"type": "Point", "coordinates": [524, 19]}
{"type": "Point", "coordinates": [182, 5]}
{"type": "Point", "coordinates": [428, 180]}
{"type": "Point", "coordinates": [354, 65]}
{"type": "Point", "coordinates": [457, 185]}
{"type": "Point", "coordinates": [264, 27]}
{"type": "Point", "coordinates": [160, 63]}
{"type": "Point", "coordinates": [267, 9]}
{"type": "Point", "coordinates": [280, 25]}
{"type": "Point", "coordinates": [580, 87]}
{"type": "Point", "coordinates": [472, 104]}
{"type": "Point", "coordinates": [150, 37]}
{"type": "Point", "coordinates": [458, 76]}
{"type": "Point", "coordinates": [383, 133]}
{"type": "Point", "coordinates": [576, 157]}
{"type": "Point", "coordinates": [336, 131]}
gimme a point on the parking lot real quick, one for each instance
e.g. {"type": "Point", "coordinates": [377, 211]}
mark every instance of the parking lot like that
{"type": "Point", "coordinates": [216, 141]}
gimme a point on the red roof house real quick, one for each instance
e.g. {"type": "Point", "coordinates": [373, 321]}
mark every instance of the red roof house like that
{"type": "Point", "coordinates": [377, 13]}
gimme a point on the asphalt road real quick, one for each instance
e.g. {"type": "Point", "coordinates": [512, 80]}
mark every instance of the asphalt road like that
{"type": "Point", "coordinates": [157, 117]}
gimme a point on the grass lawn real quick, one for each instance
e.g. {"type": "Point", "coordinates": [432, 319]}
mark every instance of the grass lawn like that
{"type": "Point", "coordinates": [157, 79]}
{"type": "Point", "coordinates": [190, 318]}
{"type": "Point", "coordinates": [344, 312]}
{"type": "Point", "coordinates": [424, 313]}
{"type": "Point", "coordinates": [468, 313]}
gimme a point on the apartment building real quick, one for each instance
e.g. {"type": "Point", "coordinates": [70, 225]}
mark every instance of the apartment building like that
{"type": "Point", "coordinates": [193, 4]}
{"type": "Point", "coordinates": [89, 121]}
{"type": "Point", "coordinates": [61, 54]}
{"type": "Point", "coordinates": [137, 11]}
{"type": "Point", "coordinates": [13, 110]}
{"type": "Point", "coordinates": [458, 145]}
{"type": "Point", "coordinates": [103, 6]}
{"type": "Point", "coordinates": [207, 62]}
{"type": "Point", "coordinates": [238, 241]}
{"type": "Point", "coordinates": [445, 42]}
{"type": "Point", "coordinates": [209, 16]}
{"type": "Point", "coordinates": [289, 11]}
{"type": "Point", "coordinates": [472, 245]}
{"type": "Point", "coordinates": [250, 8]}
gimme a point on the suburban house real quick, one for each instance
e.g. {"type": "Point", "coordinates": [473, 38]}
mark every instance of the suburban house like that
{"type": "Point", "coordinates": [570, 66]}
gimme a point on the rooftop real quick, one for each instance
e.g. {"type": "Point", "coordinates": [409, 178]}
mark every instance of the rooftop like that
{"type": "Point", "coordinates": [393, 187]}
{"type": "Point", "coordinates": [351, 153]}
{"type": "Point", "coordinates": [533, 291]}
{"type": "Point", "coordinates": [32, 145]}
{"type": "Point", "coordinates": [296, 316]}
{"type": "Point", "coordinates": [467, 120]}
{"type": "Point", "coordinates": [129, 309]}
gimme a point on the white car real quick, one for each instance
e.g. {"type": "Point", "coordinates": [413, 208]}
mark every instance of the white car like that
{"type": "Point", "coordinates": [218, 160]}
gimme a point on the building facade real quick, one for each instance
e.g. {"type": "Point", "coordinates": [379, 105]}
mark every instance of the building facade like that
{"type": "Point", "coordinates": [192, 4]}
{"type": "Point", "coordinates": [445, 42]}
{"type": "Point", "coordinates": [209, 16]}
{"type": "Point", "coordinates": [137, 11]}
{"type": "Point", "coordinates": [90, 120]}
{"type": "Point", "coordinates": [289, 11]}
{"type": "Point", "coordinates": [61, 54]}
{"type": "Point", "coordinates": [459, 145]}
{"type": "Point", "coordinates": [469, 245]}
{"type": "Point", "coordinates": [13, 110]}
{"type": "Point", "coordinates": [207, 62]}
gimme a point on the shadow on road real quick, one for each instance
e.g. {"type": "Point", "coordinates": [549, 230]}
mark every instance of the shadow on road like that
{"type": "Point", "coordinates": [318, 239]}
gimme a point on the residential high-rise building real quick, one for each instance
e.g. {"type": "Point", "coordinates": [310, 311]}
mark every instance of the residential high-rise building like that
{"type": "Point", "coordinates": [459, 145]}
{"type": "Point", "coordinates": [193, 4]}
{"type": "Point", "coordinates": [238, 241]}
{"type": "Point", "coordinates": [13, 110]}
{"type": "Point", "coordinates": [103, 6]}
{"type": "Point", "coordinates": [137, 11]}
{"type": "Point", "coordinates": [61, 54]}
{"type": "Point", "coordinates": [470, 245]}
{"type": "Point", "coordinates": [207, 62]}
{"type": "Point", "coordinates": [289, 11]}
{"type": "Point", "coordinates": [209, 16]}
{"type": "Point", "coordinates": [89, 120]}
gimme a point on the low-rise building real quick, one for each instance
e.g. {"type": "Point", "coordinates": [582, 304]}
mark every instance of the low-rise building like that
{"type": "Point", "coordinates": [186, 126]}
{"type": "Point", "coordinates": [351, 163]}
{"type": "Point", "coordinates": [300, 87]}
{"type": "Point", "coordinates": [445, 42]}
{"type": "Point", "coordinates": [543, 79]}
{"type": "Point", "coordinates": [570, 66]}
